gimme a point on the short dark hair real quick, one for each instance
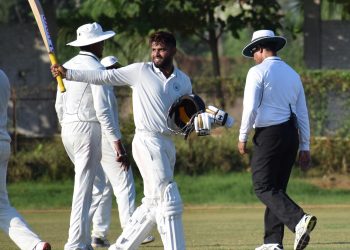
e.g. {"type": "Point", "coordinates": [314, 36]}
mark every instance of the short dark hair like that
{"type": "Point", "coordinates": [270, 45]}
{"type": "Point", "coordinates": [163, 37]}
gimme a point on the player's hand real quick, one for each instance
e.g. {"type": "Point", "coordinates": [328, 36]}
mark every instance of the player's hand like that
{"type": "Point", "coordinates": [122, 156]}
{"type": "Point", "coordinates": [304, 160]}
{"type": "Point", "coordinates": [242, 147]}
{"type": "Point", "coordinates": [202, 124]}
{"type": "Point", "coordinates": [57, 70]}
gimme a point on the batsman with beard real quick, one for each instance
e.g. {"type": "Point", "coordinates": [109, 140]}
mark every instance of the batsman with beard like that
{"type": "Point", "coordinates": [156, 85]}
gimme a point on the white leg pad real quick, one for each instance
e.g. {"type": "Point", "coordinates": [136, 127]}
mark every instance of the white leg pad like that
{"type": "Point", "coordinates": [137, 229]}
{"type": "Point", "coordinates": [169, 219]}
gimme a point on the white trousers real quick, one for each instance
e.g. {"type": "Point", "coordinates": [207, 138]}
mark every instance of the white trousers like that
{"type": "Point", "coordinates": [122, 184]}
{"type": "Point", "coordinates": [102, 217]}
{"type": "Point", "coordinates": [155, 157]}
{"type": "Point", "coordinates": [11, 221]}
{"type": "Point", "coordinates": [82, 141]}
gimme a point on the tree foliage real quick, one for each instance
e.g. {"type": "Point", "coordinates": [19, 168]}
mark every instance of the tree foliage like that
{"type": "Point", "coordinates": [206, 19]}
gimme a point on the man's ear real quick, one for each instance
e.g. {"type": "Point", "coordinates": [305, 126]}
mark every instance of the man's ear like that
{"type": "Point", "coordinates": [174, 50]}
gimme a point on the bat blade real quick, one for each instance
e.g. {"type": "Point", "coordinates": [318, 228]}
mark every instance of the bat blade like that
{"type": "Point", "coordinates": [45, 34]}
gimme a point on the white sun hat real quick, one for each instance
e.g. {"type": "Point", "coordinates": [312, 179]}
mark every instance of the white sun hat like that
{"type": "Point", "coordinates": [89, 34]}
{"type": "Point", "coordinates": [109, 61]}
{"type": "Point", "coordinates": [261, 36]}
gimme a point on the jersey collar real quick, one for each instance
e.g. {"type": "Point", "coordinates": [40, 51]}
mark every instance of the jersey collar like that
{"type": "Point", "coordinates": [86, 53]}
{"type": "Point", "coordinates": [273, 58]}
{"type": "Point", "coordinates": [157, 70]}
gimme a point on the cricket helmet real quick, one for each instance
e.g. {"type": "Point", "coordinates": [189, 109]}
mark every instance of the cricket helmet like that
{"type": "Point", "coordinates": [181, 113]}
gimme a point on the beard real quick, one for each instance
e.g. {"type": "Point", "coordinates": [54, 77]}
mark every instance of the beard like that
{"type": "Point", "coordinates": [163, 62]}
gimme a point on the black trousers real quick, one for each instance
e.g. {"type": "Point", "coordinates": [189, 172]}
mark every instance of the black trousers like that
{"type": "Point", "coordinates": [275, 150]}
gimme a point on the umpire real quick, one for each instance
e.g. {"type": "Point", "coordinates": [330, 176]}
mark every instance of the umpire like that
{"type": "Point", "coordinates": [274, 104]}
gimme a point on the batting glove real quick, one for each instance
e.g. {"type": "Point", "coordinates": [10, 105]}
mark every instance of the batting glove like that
{"type": "Point", "coordinates": [202, 124]}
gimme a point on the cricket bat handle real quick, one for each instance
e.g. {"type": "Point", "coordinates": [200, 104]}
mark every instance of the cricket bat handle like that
{"type": "Point", "coordinates": [53, 60]}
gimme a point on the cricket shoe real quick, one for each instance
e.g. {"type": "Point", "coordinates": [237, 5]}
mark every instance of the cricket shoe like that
{"type": "Point", "coordinates": [303, 230]}
{"type": "Point", "coordinates": [148, 239]}
{"type": "Point", "coordinates": [270, 247]}
{"type": "Point", "coordinates": [114, 247]}
{"type": "Point", "coordinates": [43, 246]}
{"type": "Point", "coordinates": [99, 242]}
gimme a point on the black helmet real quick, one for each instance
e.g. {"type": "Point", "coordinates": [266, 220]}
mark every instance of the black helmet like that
{"type": "Point", "coordinates": [182, 111]}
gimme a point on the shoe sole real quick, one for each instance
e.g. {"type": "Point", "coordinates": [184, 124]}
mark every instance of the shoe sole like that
{"type": "Point", "coordinates": [305, 238]}
{"type": "Point", "coordinates": [100, 246]}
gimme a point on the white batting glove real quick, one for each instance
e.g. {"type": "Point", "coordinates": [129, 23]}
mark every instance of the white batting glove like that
{"type": "Point", "coordinates": [202, 124]}
{"type": "Point", "coordinates": [220, 117]}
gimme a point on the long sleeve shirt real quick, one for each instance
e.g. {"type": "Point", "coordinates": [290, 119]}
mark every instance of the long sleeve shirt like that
{"type": "Point", "coordinates": [4, 98]}
{"type": "Point", "coordinates": [270, 87]}
{"type": "Point", "coordinates": [84, 102]}
{"type": "Point", "coordinates": [153, 93]}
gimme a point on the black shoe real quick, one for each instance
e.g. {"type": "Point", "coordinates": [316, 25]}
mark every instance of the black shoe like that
{"type": "Point", "coordinates": [99, 242]}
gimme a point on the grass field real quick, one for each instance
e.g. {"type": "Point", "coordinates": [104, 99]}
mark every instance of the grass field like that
{"type": "Point", "coordinates": [209, 227]}
{"type": "Point", "coordinates": [221, 212]}
{"type": "Point", "coordinates": [226, 189]}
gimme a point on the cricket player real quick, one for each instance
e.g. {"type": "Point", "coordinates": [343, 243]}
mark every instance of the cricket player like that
{"type": "Point", "coordinates": [115, 179]}
{"type": "Point", "coordinates": [11, 222]}
{"type": "Point", "coordinates": [86, 117]}
{"type": "Point", "coordinates": [274, 104]}
{"type": "Point", "coordinates": [156, 85]}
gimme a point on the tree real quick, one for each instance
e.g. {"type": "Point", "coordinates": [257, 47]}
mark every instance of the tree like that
{"type": "Point", "coordinates": [206, 19]}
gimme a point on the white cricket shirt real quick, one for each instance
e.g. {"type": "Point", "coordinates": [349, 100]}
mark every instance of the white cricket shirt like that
{"type": "Point", "coordinates": [153, 93]}
{"type": "Point", "coordinates": [270, 87]}
{"type": "Point", "coordinates": [84, 102]}
{"type": "Point", "coordinates": [4, 98]}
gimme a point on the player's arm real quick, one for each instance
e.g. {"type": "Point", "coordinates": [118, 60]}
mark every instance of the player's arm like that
{"type": "Point", "coordinates": [253, 94]}
{"type": "Point", "coordinates": [127, 75]}
{"type": "Point", "coordinates": [59, 106]}
{"type": "Point", "coordinates": [304, 158]}
{"type": "Point", "coordinates": [109, 125]}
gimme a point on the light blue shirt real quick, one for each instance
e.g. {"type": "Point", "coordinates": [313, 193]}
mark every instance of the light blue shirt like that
{"type": "Point", "coordinates": [4, 98]}
{"type": "Point", "coordinates": [270, 87]}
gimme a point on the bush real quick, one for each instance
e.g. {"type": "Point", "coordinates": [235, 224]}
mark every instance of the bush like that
{"type": "Point", "coordinates": [41, 159]}
{"type": "Point", "coordinates": [330, 155]}
{"type": "Point", "coordinates": [215, 153]}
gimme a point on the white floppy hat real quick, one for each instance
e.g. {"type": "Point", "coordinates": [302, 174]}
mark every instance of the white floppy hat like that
{"type": "Point", "coordinates": [109, 61]}
{"type": "Point", "coordinates": [263, 36]}
{"type": "Point", "coordinates": [89, 34]}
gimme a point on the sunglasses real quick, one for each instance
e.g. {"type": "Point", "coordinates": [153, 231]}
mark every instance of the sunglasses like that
{"type": "Point", "coordinates": [255, 49]}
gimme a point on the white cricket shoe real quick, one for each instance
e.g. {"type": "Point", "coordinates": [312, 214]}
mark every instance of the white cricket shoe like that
{"type": "Point", "coordinates": [148, 239]}
{"type": "Point", "coordinates": [270, 247]}
{"type": "Point", "coordinates": [113, 247]}
{"type": "Point", "coordinates": [303, 230]}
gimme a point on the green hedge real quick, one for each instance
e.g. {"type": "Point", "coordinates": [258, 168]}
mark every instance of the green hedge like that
{"type": "Point", "coordinates": [217, 153]}
{"type": "Point", "coordinates": [40, 159]}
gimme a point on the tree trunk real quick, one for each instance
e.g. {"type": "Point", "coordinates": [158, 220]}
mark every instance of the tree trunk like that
{"type": "Point", "coordinates": [213, 44]}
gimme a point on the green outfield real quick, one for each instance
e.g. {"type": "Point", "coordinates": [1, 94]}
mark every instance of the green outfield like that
{"type": "Point", "coordinates": [209, 227]}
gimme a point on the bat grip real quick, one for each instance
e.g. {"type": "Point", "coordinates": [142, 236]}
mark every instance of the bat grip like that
{"type": "Point", "coordinates": [53, 60]}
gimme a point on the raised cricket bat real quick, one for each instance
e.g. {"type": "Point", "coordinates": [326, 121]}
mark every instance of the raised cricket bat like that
{"type": "Point", "coordinates": [44, 31]}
